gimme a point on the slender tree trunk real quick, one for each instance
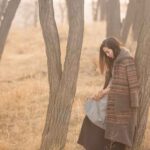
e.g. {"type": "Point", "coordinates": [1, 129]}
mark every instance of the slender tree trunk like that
{"type": "Point", "coordinates": [6, 22]}
{"type": "Point", "coordinates": [97, 9]}
{"type": "Point", "coordinates": [128, 20]}
{"type": "Point", "coordinates": [36, 13]}
{"type": "Point", "coordinates": [113, 18]}
{"type": "Point", "coordinates": [52, 44]}
{"type": "Point", "coordinates": [93, 9]}
{"type": "Point", "coordinates": [102, 10]}
{"type": "Point", "coordinates": [143, 62]}
{"type": "Point", "coordinates": [62, 84]}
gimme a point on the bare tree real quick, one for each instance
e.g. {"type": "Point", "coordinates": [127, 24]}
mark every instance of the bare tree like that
{"type": "Point", "coordinates": [99, 10]}
{"type": "Point", "coordinates": [6, 22]}
{"type": "Point", "coordinates": [113, 18]}
{"type": "Point", "coordinates": [62, 83]}
{"type": "Point", "coordinates": [36, 13]}
{"type": "Point", "coordinates": [3, 4]}
{"type": "Point", "coordinates": [134, 18]}
{"type": "Point", "coordinates": [143, 62]}
{"type": "Point", "coordinates": [94, 6]}
{"type": "Point", "coordinates": [138, 18]}
{"type": "Point", "coordinates": [96, 10]}
{"type": "Point", "coordinates": [102, 10]}
{"type": "Point", "coordinates": [131, 11]}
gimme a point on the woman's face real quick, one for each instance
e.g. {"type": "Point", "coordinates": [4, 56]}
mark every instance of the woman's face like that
{"type": "Point", "coordinates": [109, 52]}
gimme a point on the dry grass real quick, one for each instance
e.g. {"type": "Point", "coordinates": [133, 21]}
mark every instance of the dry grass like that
{"type": "Point", "coordinates": [24, 87]}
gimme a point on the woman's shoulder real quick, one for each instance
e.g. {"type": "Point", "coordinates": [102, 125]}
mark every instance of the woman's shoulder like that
{"type": "Point", "coordinates": [128, 61]}
{"type": "Point", "coordinates": [128, 58]}
{"type": "Point", "coordinates": [124, 48]}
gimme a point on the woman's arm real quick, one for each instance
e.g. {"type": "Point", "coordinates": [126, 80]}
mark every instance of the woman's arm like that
{"type": "Point", "coordinates": [106, 91]}
{"type": "Point", "coordinates": [101, 94]}
{"type": "Point", "coordinates": [133, 82]}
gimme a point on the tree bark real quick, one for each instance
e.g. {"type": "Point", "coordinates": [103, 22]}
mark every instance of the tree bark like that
{"type": "Point", "coordinates": [97, 9]}
{"type": "Point", "coordinates": [102, 10]}
{"type": "Point", "coordinates": [35, 13]}
{"type": "Point", "coordinates": [3, 4]}
{"type": "Point", "coordinates": [7, 21]}
{"type": "Point", "coordinates": [143, 62]}
{"type": "Point", "coordinates": [113, 18]}
{"type": "Point", "coordinates": [131, 11]}
{"type": "Point", "coordinates": [138, 18]}
{"type": "Point", "coordinates": [62, 83]}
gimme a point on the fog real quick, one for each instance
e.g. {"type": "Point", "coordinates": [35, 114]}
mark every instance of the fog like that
{"type": "Point", "coordinates": [25, 13]}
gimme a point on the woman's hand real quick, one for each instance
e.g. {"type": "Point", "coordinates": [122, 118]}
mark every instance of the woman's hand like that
{"type": "Point", "coordinates": [100, 94]}
{"type": "Point", "coordinates": [106, 91]}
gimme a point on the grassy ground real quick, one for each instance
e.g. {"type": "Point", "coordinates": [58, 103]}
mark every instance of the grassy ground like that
{"type": "Point", "coordinates": [24, 87]}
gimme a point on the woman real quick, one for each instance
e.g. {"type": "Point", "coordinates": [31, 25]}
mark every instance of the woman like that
{"type": "Point", "coordinates": [121, 114]}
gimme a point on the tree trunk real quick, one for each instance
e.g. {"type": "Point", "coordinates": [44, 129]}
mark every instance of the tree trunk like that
{"type": "Point", "coordinates": [62, 84]}
{"type": "Point", "coordinates": [143, 62]}
{"type": "Point", "coordinates": [6, 22]}
{"type": "Point", "coordinates": [97, 9]}
{"type": "Point", "coordinates": [36, 13]}
{"type": "Point", "coordinates": [113, 18]}
{"type": "Point", "coordinates": [138, 18]}
{"type": "Point", "coordinates": [3, 4]}
{"type": "Point", "coordinates": [102, 10]}
{"type": "Point", "coordinates": [128, 20]}
{"type": "Point", "coordinates": [93, 9]}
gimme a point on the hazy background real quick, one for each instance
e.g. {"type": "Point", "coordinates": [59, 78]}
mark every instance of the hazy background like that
{"type": "Point", "coordinates": [23, 77]}
{"type": "Point", "coordinates": [25, 13]}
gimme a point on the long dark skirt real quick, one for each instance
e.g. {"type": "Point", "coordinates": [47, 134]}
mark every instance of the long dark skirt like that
{"type": "Point", "coordinates": [92, 138]}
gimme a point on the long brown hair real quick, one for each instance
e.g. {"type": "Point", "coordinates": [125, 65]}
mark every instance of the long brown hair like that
{"type": "Point", "coordinates": [104, 61]}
